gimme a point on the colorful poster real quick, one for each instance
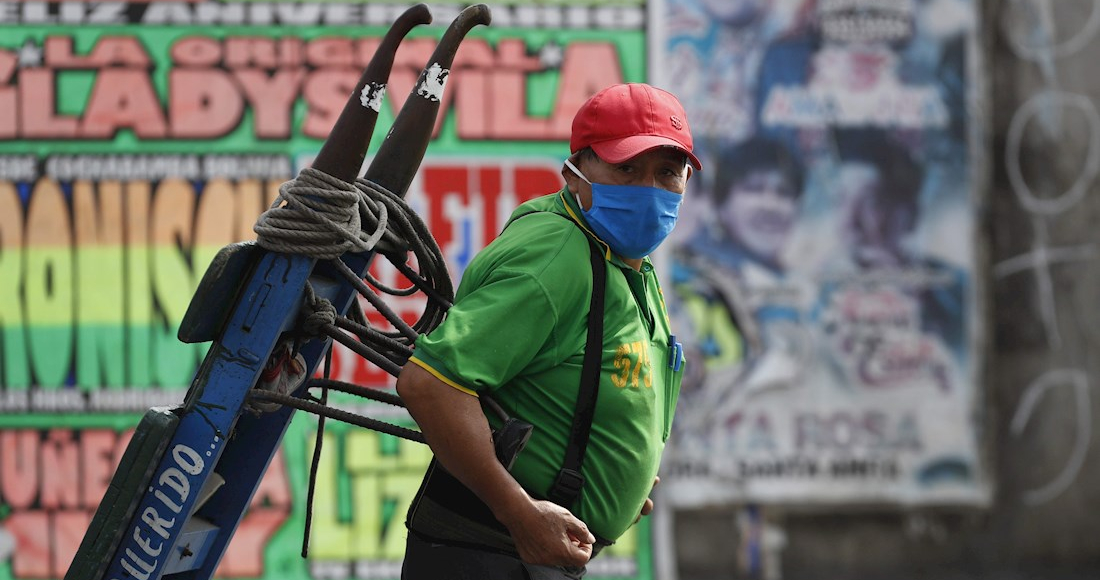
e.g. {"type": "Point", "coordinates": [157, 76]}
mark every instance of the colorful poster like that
{"type": "Point", "coordinates": [136, 139]}
{"type": "Point", "coordinates": [824, 272]}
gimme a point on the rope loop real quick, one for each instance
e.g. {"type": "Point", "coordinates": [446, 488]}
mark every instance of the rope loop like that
{"type": "Point", "coordinates": [320, 313]}
{"type": "Point", "coordinates": [323, 217]}
{"type": "Point", "coordinates": [320, 216]}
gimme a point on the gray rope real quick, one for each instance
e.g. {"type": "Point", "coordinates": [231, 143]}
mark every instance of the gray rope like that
{"type": "Point", "coordinates": [320, 313]}
{"type": "Point", "coordinates": [432, 278]}
{"type": "Point", "coordinates": [320, 216]}
{"type": "Point", "coordinates": [338, 414]}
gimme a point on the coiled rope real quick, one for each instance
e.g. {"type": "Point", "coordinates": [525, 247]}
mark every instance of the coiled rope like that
{"type": "Point", "coordinates": [320, 216]}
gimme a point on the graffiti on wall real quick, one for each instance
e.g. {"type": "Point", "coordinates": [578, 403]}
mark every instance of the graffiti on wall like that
{"type": "Point", "coordinates": [1029, 26]}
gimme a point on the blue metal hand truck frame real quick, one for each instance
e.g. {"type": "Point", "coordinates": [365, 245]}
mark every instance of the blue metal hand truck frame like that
{"type": "Point", "coordinates": [189, 472]}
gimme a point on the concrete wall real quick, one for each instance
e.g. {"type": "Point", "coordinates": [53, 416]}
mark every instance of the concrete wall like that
{"type": "Point", "coordinates": [1041, 229]}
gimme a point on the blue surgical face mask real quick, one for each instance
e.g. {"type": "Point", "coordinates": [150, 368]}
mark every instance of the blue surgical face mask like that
{"type": "Point", "coordinates": [632, 219]}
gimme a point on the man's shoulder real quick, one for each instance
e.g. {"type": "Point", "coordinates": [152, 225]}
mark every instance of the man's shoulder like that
{"type": "Point", "coordinates": [541, 223]}
{"type": "Point", "coordinates": [545, 205]}
{"type": "Point", "coordinates": [542, 237]}
{"type": "Point", "coordinates": [541, 240]}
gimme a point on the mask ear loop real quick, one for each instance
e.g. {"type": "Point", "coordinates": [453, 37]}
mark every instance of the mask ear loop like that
{"type": "Point", "coordinates": [574, 169]}
{"type": "Point", "coordinates": [570, 165]}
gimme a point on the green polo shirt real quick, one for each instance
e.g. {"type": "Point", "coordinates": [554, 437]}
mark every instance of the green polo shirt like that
{"type": "Point", "coordinates": [518, 329]}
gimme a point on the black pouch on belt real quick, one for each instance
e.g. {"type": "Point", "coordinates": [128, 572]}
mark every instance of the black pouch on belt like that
{"type": "Point", "coordinates": [445, 510]}
{"type": "Point", "coordinates": [511, 437]}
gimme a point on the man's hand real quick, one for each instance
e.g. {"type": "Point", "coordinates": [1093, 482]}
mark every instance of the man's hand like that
{"type": "Point", "coordinates": [455, 427]}
{"type": "Point", "coordinates": [548, 534]}
{"type": "Point", "coordinates": [647, 507]}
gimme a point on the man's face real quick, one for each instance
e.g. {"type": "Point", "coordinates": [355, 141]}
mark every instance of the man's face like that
{"type": "Point", "coordinates": [872, 227]}
{"type": "Point", "coordinates": [760, 213]}
{"type": "Point", "coordinates": [664, 167]}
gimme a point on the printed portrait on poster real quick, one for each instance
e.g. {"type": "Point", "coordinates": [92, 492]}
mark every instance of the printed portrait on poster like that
{"type": "Point", "coordinates": [824, 274]}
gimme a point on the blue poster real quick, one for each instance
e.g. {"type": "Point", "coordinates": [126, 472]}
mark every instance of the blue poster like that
{"type": "Point", "coordinates": [824, 270]}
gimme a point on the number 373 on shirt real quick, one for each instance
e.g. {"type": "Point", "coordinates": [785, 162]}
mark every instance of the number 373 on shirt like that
{"type": "Point", "coordinates": [633, 366]}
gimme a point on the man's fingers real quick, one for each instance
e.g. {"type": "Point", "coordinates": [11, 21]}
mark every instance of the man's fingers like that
{"type": "Point", "coordinates": [542, 542]}
{"type": "Point", "coordinates": [580, 552]}
{"type": "Point", "coordinates": [578, 530]}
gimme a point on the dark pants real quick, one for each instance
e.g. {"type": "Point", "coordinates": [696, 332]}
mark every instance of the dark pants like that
{"type": "Point", "coordinates": [426, 560]}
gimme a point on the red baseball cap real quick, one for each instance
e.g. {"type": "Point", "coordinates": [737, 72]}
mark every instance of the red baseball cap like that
{"type": "Point", "coordinates": [625, 120]}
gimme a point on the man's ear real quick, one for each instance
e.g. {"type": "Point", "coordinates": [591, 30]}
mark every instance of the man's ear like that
{"type": "Point", "coordinates": [571, 179]}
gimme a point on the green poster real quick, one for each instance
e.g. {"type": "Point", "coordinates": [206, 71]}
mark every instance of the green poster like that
{"type": "Point", "coordinates": [136, 139]}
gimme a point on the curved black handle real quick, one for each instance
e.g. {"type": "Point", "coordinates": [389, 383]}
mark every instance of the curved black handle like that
{"type": "Point", "coordinates": [343, 152]}
{"type": "Point", "coordinates": [399, 156]}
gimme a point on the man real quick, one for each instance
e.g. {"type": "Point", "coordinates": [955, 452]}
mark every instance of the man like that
{"type": "Point", "coordinates": [518, 330]}
{"type": "Point", "coordinates": [731, 293]}
{"type": "Point", "coordinates": [877, 185]}
{"type": "Point", "coordinates": [877, 188]}
{"type": "Point", "coordinates": [757, 194]}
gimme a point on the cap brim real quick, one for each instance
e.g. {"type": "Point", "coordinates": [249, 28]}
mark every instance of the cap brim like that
{"type": "Point", "coordinates": [619, 150]}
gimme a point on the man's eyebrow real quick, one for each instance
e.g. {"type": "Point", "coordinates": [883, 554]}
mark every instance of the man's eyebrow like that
{"type": "Point", "coordinates": [675, 156]}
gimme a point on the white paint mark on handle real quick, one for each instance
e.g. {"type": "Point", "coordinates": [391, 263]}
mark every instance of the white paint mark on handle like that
{"type": "Point", "coordinates": [432, 82]}
{"type": "Point", "coordinates": [371, 96]}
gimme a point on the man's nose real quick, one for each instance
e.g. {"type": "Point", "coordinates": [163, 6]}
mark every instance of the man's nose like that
{"type": "Point", "coordinates": [776, 194]}
{"type": "Point", "coordinates": [647, 179]}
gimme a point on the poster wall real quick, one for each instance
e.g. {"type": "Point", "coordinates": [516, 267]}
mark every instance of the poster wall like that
{"type": "Point", "coordinates": [824, 272]}
{"type": "Point", "coordinates": [136, 139]}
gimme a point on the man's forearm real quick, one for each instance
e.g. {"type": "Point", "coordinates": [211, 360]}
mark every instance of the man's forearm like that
{"type": "Point", "coordinates": [456, 429]}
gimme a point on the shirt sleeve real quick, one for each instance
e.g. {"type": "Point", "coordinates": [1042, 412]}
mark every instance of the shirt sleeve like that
{"type": "Point", "coordinates": [492, 334]}
{"type": "Point", "coordinates": [518, 298]}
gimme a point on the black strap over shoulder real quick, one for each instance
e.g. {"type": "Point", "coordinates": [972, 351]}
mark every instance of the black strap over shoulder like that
{"type": "Point", "coordinates": [448, 512]}
{"type": "Point", "coordinates": [569, 482]}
